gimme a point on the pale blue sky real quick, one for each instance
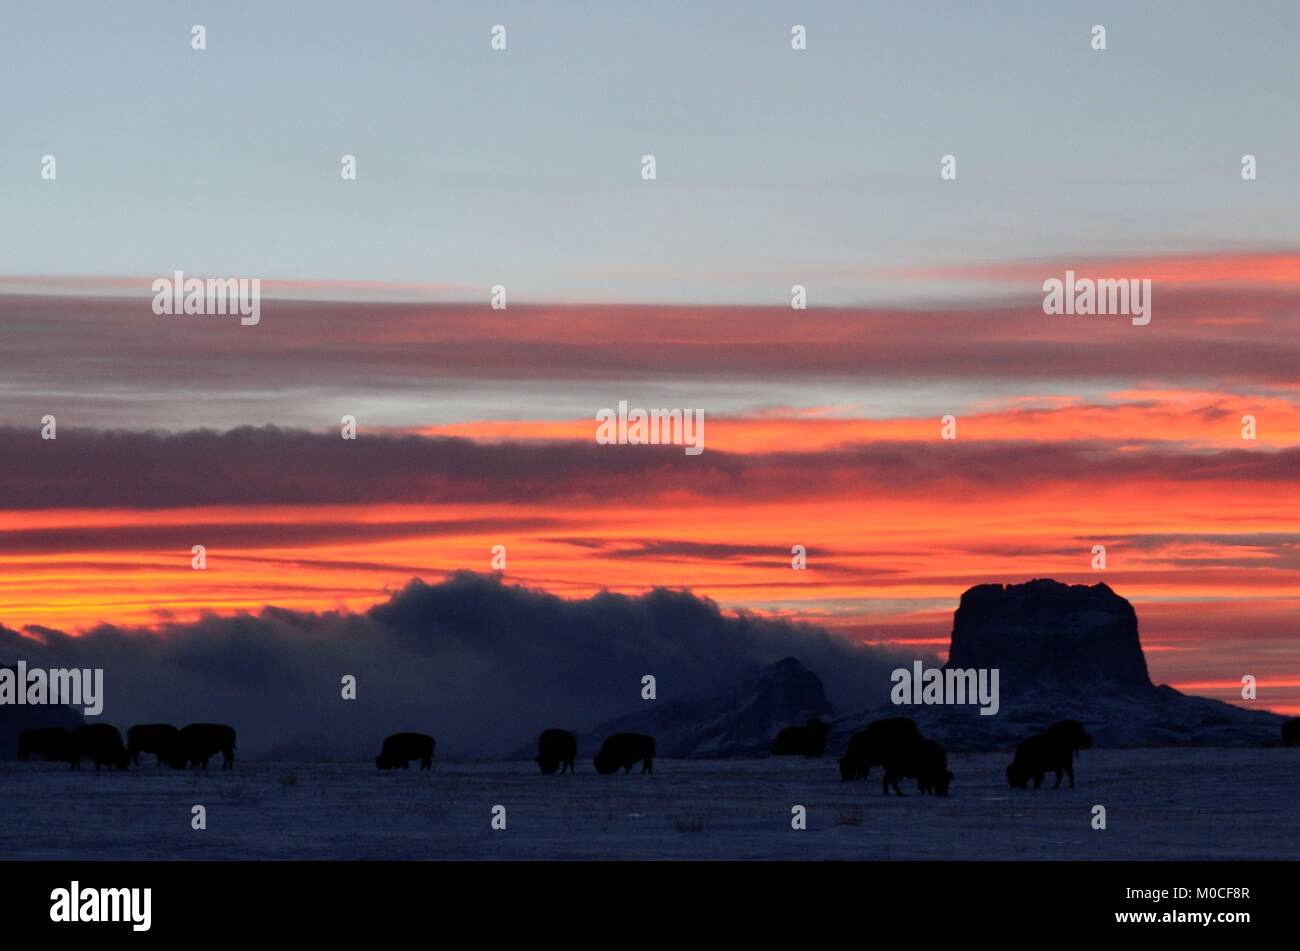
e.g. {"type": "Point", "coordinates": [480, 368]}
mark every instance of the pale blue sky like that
{"type": "Point", "coordinates": [522, 167]}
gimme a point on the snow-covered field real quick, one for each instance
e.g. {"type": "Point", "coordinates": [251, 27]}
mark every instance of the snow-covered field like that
{"type": "Point", "coordinates": [1160, 804]}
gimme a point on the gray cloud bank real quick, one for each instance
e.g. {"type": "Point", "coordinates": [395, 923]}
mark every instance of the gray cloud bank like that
{"type": "Point", "coordinates": [269, 465]}
{"type": "Point", "coordinates": [480, 664]}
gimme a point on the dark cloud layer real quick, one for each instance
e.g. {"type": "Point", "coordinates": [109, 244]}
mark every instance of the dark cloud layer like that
{"type": "Point", "coordinates": [415, 346]}
{"type": "Point", "coordinates": [272, 466]}
{"type": "Point", "coordinates": [481, 665]}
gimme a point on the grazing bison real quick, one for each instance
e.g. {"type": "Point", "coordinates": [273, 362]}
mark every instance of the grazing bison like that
{"type": "Point", "coordinates": [156, 738]}
{"type": "Point", "coordinates": [1291, 732]}
{"type": "Point", "coordinates": [1050, 752]}
{"type": "Point", "coordinates": [869, 747]}
{"type": "Point", "coordinates": [199, 742]}
{"type": "Point", "coordinates": [626, 750]}
{"type": "Point", "coordinates": [923, 760]}
{"type": "Point", "coordinates": [556, 750]}
{"type": "Point", "coordinates": [98, 742]}
{"type": "Point", "coordinates": [1072, 734]}
{"type": "Point", "coordinates": [808, 741]}
{"type": "Point", "coordinates": [48, 742]}
{"type": "Point", "coordinates": [400, 748]}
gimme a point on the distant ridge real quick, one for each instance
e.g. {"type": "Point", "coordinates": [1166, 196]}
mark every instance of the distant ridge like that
{"type": "Point", "coordinates": [743, 719]}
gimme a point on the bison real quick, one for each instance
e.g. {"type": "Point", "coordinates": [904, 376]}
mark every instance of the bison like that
{"type": "Point", "coordinates": [626, 750]}
{"type": "Point", "coordinates": [1291, 732]}
{"type": "Point", "coordinates": [923, 760]}
{"type": "Point", "coordinates": [199, 742]}
{"type": "Point", "coordinates": [48, 742]}
{"type": "Point", "coordinates": [869, 747]}
{"type": "Point", "coordinates": [1050, 752]}
{"type": "Point", "coordinates": [400, 748]}
{"type": "Point", "coordinates": [808, 741]}
{"type": "Point", "coordinates": [98, 742]}
{"type": "Point", "coordinates": [156, 738]}
{"type": "Point", "coordinates": [1072, 734]}
{"type": "Point", "coordinates": [556, 750]}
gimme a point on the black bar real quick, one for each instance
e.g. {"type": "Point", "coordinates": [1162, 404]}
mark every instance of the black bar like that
{"type": "Point", "coordinates": [1019, 903]}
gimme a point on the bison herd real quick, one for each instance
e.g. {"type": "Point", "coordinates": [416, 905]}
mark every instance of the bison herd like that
{"type": "Point", "coordinates": [893, 744]}
{"type": "Point", "coordinates": [896, 746]}
{"type": "Point", "coordinates": [556, 752]}
{"type": "Point", "coordinates": [102, 744]}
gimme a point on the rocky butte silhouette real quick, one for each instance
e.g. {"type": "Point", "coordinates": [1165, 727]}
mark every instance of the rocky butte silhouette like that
{"type": "Point", "coordinates": [1044, 634]}
{"type": "Point", "coordinates": [1062, 652]}
{"type": "Point", "coordinates": [1067, 652]}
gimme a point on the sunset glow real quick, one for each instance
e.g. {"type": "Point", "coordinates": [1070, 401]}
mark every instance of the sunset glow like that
{"type": "Point", "coordinates": [1138, 446]}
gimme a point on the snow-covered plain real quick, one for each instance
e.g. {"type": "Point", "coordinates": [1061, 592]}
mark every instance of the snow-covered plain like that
{"type": "Point", "coordinates": [1160, 804]}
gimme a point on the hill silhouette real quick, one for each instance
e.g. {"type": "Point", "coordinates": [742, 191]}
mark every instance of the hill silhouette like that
{"type": "Point", "coordinates": [742, 719]}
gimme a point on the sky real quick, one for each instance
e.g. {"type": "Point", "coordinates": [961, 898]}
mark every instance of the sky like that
{"type": "Point", "coordinates": [522, 166]}
{"type": "Point", "coordinates": [775, 167]}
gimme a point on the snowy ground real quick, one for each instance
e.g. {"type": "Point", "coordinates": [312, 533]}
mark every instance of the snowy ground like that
{"type": "Point", "coordinates": [1160, 804]}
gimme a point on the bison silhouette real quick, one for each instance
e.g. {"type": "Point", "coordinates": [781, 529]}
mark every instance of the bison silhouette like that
{"type": "Point", "coordinates": [48, 742]}
{"type": "Point", "coordinates": [1291, 732]}
{"type": "Point", "coordinates": [1071, 733]}
{"type": "Point", "coordinates": [1050, 752]}
{"type": "Point", "coordinates": [156, 738]}
{"type": "Point", "coordinates": [100, 743]}
{"type": "Point", "coordinates": [923, 760]}
{"type": "Point", "coordinates": [626, 750]}
{"type": "Point", "coordinates": [199, 742]}
{"type": "Point", "coordinates": [556, 750]}
{"type": "Point", "coordinates": [400, 748]}
{"type": "Point", "coordinates": [808, 741]}
{"type": "Point", "coordinates": [870, 747]}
